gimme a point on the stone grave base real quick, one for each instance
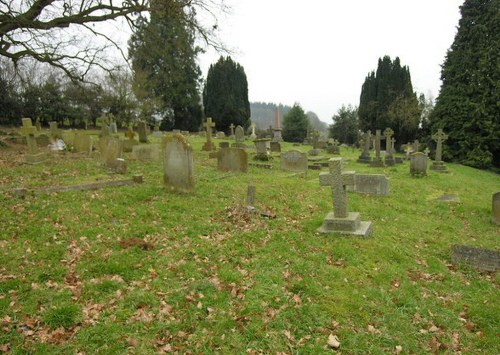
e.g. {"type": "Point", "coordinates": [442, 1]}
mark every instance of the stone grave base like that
{"type": "Point", "coordinates": [350, 225]}
{"type": "Point", "coordinates": [239, 145]}
{"type": "Point", "coordinates": [438, 166]}
{"type": "Point", "coordinates": [208, 146]}
{"type": "Point", "coordinates": [261, 165]}
{"type": "Point", "coordinates": [364, 160]}
{"type": "Point", "coordinates": [262, 157]}
{"type": "Point", "coordinates": [390, 161]}
{"type": "Point", "coordinates": [377, 163]}
{"type": "Point", "coordinates": [398, 160]}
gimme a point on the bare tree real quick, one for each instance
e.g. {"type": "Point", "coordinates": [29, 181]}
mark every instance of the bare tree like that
{"type": "Point", "coordinates": [68, 34]}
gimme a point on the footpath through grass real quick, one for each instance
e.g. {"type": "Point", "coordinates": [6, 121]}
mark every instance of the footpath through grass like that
{"type": "Point", "coordinates": [140, 270]}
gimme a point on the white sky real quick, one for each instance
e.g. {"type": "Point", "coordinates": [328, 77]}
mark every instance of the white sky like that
{"type": "Point", "coordinates": [318, 52]}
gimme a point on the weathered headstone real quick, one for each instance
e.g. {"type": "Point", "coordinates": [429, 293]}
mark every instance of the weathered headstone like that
{"type": "Point", "coordinates": [43, 140]}
{"type": "Point", "coordinates": [365, 154]}
{"type": "Point", "coordinates": [482, 259]}
{"type": "Point", "coordinates": [438, 164]}
{"type": "Point", "coordinates": [416, 146]}
{"type": "Point", "coordinates": [220, 135]}
{"type": "Point", "coordinates": [293, 160]}
{"type": "Point", "coordinates": [253, 135]}
{"type": "Point", "coordinates": [315, 139]}
{"type": "Point", "coordinates": [340, 220]}
{"type": "Point", "coordinates": [389, 159]}
{"type": "Point", "coordinates": [277, 126]}
{"type": "Point", "coordinates": [377, 160]}
{"type": "Point", "coordinates": [239, 135]}
{"type": "Point", "coordinates": [418, 163]}
{"type": "Point", "coordinates": [209, 146]}
{"type": "Point", "coordinates": [146, 152]}
{"type": "Point", "coordinates": [262, 148]}
{"type": "Point", "coordinates": [113, 128]}
{"type": "Point", "coordinates": [251, 194]}
{"type": "Point", "coordinates": [112, 150]}
{"type": "Point", "coordinates": [372, 184]}
{"type": "Point", "coordinates": [178, 172]}
{"type": "Point", "coordinates": [104, 129]}
{"type": "Point", "coordinates": [232, 159]}
{"type": "Point", "coordinates": [54, 131]}
{"type": "Point", "coordinates": [83, 143]}
{"type": "Point", "coordinates": [495, 208]}
{"type": "Point", "coordinates": [275, 147]}
{"type": "Point", "coordinates": [142, 131]}
{"type": "Point", "coordinates": [223, 145]}
{"type": "Point", "coordinates": [130, 142]}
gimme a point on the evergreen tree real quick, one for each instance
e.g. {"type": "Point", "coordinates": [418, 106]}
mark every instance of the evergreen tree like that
{"type": "Point", "coordinates": [345, 125]}
{"type": "Point", "coordinates": [387, 100]}
{"type": "Point", "coordinates": [225, 96]}
{"type": "Point", "coordinates": [166, 76]}
{"type": "Point", "coordinates": [295, 125]}
{"type": "Point", "coordinates": [468, 105]}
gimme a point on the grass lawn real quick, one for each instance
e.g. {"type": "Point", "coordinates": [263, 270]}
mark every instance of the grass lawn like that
{"type": "Point", "coordinates": [140, 270]}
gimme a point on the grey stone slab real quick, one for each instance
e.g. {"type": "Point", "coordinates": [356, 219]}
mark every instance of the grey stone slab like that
{"type": "Point", "coordinates": [482, 259]}
{"type": "Point", "coordinates": [372, 184]}
{"type": "Point", "coordinates": [294, 160]}
{"type": "Point", "coordinates": [232, 159]}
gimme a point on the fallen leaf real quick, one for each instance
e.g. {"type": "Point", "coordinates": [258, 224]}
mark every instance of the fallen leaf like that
{"type": "Point", "coordinates": [333, 341]}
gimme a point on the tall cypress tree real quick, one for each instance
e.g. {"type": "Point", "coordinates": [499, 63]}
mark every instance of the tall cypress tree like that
{"type": "Point", "coordinates": [387, 100]}
{"type": "Point", "coordinates": [225, 96]}
{"type": "Point", "coordinates": [468, 105]}
{"type": "Point", "coordinates": [295, 124]}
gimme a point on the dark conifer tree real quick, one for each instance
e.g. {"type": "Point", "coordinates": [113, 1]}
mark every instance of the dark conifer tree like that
{"type": "Point", "coordinates": [468, 105]}
{"type": "Point", "coordinates": [295, 125]}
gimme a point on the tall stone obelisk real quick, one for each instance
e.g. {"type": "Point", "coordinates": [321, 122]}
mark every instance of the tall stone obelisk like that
{"type": "Point", "coordinates": [277, 126]}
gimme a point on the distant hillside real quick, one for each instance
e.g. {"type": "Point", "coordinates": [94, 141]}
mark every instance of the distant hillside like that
{"type": "Point", "coordinates": [262, 114]}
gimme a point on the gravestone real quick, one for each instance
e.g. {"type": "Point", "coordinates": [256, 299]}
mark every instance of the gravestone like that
{"type": "Point", "coordinates": [315, 139]}
{"type": "Point", "coordinates": [43, 140]}
{"type": "Point", "coordinates": [38, 125]}
{"type": "Point", "coordinates": [104, 129]}
{"type": "Point", "coordinates": [239, 135]}
{"type": "Point", "coordinates": [275, 147]}
{"type": "Point", "coordinates": [146, 152]}
{"type": "Point", "coordinates": [120, 166]}
{"type": "Point", "coordinates": [389, 159]}
{"type": "Point", "coordinates": [482, 259]}
{"type": "Point", "coordinates": [185, 133]}
{"type": "Point", "coordinates": [253, 135]}
{"type": "Point", "coordinates": [418, 163]}
{"type": "Point", "coordinates": [365, 154]}
{"type": "Point", "coordinates": [208, 146]}
{"type": "Point", "coordinates": [54, 131]}
{"type": "Point", "coordinates": [277, 126]}
{"type": "Point", "coordinates": [223, 145]}
{"type": "Point", "coordinates": [416, 146]}
{"type": "Point", "coordinates": [251, 194]}
{"type": "Point", "coordinates": [113, 128]}
{"type": "Point", "coordinates": [293, 160]}
{"type": "Point", "coordinates": [33, 156]}
{"type": "Point", "coordinates": [438, 164]}
{"type": "Point", "coordinates": [220, 135]}
{"type": "Point", "coordinates": [377, 160]}
{"type": "Point", "coordinates": [340, 220]}
{"type": "Point", "coordinates": [262, 148]}
{"type": "Point", "coordinates": [112, 150]}
{"type": "Point", "coordinates": [333, 147]}
{"type": "Point", "coordinates": [231, 127]}
{"type": "Point", "coordinates": [495, 208]}
{"type": "Point", "coordinates": [130, 142]}
{"type": "Point", "coordinates": [83, 143]}
{"type": "Point", "coordinates": [372, 184]}
{"type": "Point", "coordinates": [232, 159]}
{"type": "Point", "coordinates": [142, 131]}
{"type": "Point", "coordinates": [178, 166]}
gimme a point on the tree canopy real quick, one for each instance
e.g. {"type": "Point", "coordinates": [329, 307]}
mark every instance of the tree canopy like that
{"type": "Point", "coordinates": [345, 125]}
{"type": "Point", "coordinates": [295, 125]}
{"type": "Point", "coordinates": [468, 105]}
{"type": "Point", "coordinates": [225, 96]}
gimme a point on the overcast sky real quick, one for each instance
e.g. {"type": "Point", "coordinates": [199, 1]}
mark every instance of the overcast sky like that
{"type": "Point", "coordinates": [318, 52]}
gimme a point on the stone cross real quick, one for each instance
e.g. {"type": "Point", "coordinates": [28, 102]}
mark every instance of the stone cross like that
{"type": "Point", "coordinates": [388, 133]}
{"type": "Point", "coordinates": [377, 144]}
{"type": "Point", "coordinates": [253, 135]}
{"type": "Point", "coordinates": [416, 145]}
{"type": "Point", "coordinates": [439, 137]}
{"type": "Point", "coordinates": [338, 181]}
{"type": "Point", "coordinates": [315, 139]}
{"type": "Point", "coordinates": [209, 125]}
{"type": "Point", "coordinates": [392, 144]}
{"type": "Point", "coordinates": [232, 129]}
{"type": "Point", "coordinates": [28, 130]}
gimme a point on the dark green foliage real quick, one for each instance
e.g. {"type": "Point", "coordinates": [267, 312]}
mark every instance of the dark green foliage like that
{"type": "Point", "coordinates": [468, 106]}
{"type": "Point", "coordinates": [295, 125]}
{"type": "Point", "coordinates": [387, 100]}
{"type": "Point", "coordinates": [10, 105]}
{"type": "Point", "coordinates": [225, 96]}
{"type": "Point", "coordinates": [345, 125]}
{"type": "Point", "coordinates": [166, 76]}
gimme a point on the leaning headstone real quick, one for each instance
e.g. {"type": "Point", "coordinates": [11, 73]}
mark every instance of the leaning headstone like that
{"type": "Point", "coordinates": [239, 135]}
{"type": "Point", "coordinates": [232, 159]}
{"type": "Point", "coordinates": [389, 159]}
{"type": "Point", "coordinates": [142, 131]}
{"type": "Point", "coordinates": [372, 184]}
{"type": "Point", "coordinates": [178, 166]}
{"type": "Point", "coordinates": [83, 143]}
{"type": "Point", "coordinates": [365, 154]}
{"type": "Point", "coordinates": [293, 160]}
{"type": "Point", "coordinates": [418, 163]}
{"type": "Point", "coordinates": [209, 146]}
{"type": "Point", "coordinates": [438, 164]}
{"type": "Point", "coordinates": [275, 147]}
{"type": "Point", "coordinates": [340, 220]}
{"type": "Point", "coordinates": [377, 160]}
{"type": "Point", "coordinates": [146, 152]}
{"type": "Point", "coordinates": [482, 259]}
{"type": "Point", "coordinates": [495, 210]}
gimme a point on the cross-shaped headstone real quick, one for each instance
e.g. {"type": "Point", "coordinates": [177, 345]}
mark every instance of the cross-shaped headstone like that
{"type": "Point", "coordinates": [426, 151]}
{"type": "Point", "coordinates": [388, 133]}
{"type": "Point", "coordinates": [393, 140]}
{"type": "Point", "coordinates": [377, 143]}
{"type": "Point", "coordinates": [315, 138]}
{"type": "Point", "coordinates": [338, 181]}
{"type": "Point", "coordinates": [232, 129]}
{"type": "Point", "coordinates": [439, 137]}
{"type": "Point", "coordinates": [28, 130]}
{"type": "Point", "coordinates": [209, 125]}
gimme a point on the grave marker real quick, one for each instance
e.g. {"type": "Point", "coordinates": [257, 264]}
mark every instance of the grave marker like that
{"type": "Point", "coordinates": [178, 172]}
{"type": "Point", "coordinates": [495, 209]}
{"type": "Point", "coordinates": [232, 159]}
{"type": "Point", "coordinates": [209, 146]}
{"type": "Point", "coordinates": [377, 160]}
{"type": "Point", "coordinates": [277, 126]}
{"type": "Point", "coordinates": [239, 135]}
{"type": "Point", "coordinates": [418, 163]}
{"type": "Point", "coordinates": [142, 131]}
{"type": "Point", "coordinates": [438, 165]}
{"type": "Point", "coordinates": [482, 259]}
{"type": "Point", "coordinates": [389, 159]}
{"type": "Point", "coordinates": [365, 154]}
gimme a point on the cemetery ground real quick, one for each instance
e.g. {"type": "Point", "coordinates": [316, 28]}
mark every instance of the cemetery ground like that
{"type": "Point", "coordinates": [139, 269]}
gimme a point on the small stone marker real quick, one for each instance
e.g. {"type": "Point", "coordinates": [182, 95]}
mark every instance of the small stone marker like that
{"type": "Point", "coordinates": [447, 198]}
{"type": "Point", "coordinates": [365, 154]}
{"type": "Point", "coordinates": [223, 145]}
{"type": "Point", "coordinates": [251, 194]}
{"type": "Point", "coordinates": [495, 210]}
{"type": "Point", "coordinates": [340, 220]}
{"type": "Point", "coordinates": [178, 166]}
{"type": "Point", "coordinates": [239, 135]}
{"type": "Point", "coordinates": [372, 184]}
{"type": "Point", "coordinates": [142, 131]}
{"type": "Point", "coordinates": [389, 159]}
{"type": "Point", "coordinates": [275, 147]}
{"type": "Point", "coordinates": [482, 259]}
{"type": "Point", "coordinates": [209, 146]}
{"type": "Point", "coordinates": [262, 148]}
{"type": "Point", "coordinates": [438, 164]}
{"type": "Point", "coordinates": [232, 159]}
{"type": "Point", "coordinates": [418, 163]}
{"type": "Point", "coordinates": [377, 160]}
{"type": "Point", "coordinates": [293, 160]}
{"type": "Point", "coordinates": [120, 166]}
{"type": "Point", "coordinates": [220, 135]}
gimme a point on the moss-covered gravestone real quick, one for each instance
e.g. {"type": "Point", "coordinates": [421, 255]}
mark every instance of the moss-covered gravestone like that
{"type": "Point", "coordinates": [178, 172]}
{"type": "Point", "coordinates": [340, 220]}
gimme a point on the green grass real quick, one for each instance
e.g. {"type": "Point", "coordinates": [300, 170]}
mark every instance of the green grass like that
{"type": "Point", "coordinates": [221, 281]}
